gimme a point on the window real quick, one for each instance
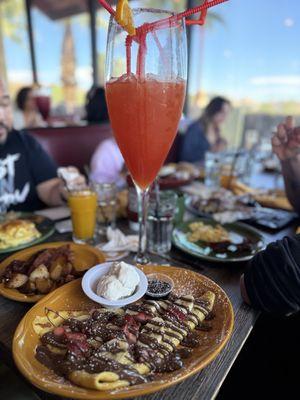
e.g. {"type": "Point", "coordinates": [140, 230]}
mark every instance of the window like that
{"type": "Point", "coordinates": [249, 53]}
{"type": "Point", "coordinates": [15, 62]}
{"type": "Point", "coordinates": [63, 52]}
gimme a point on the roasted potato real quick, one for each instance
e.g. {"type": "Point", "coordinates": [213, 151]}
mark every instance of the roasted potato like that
{"type": "Point", "coordinates": [43, 286]}
{"type": "Point", "coordinates": [67, 268]}
{"type": "Point", "coordinates": [41, 272]}
{"type": "Point", "coordinates": [56, 271]}
{"type": "Point", "coordinates": [28, 288]}
{"type": "Point", "coordinates": [16, 281]}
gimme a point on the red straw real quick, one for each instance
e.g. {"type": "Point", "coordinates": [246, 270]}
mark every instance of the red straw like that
{"type": "Point", "coordinates": [128, 44]}
{"type": "Point", "coordinates": [107, 7]}
{"type": "Point", "coordinates": [142, 50]}
{"type": "Point", "coordinates": [142, 31]}
{"type": "Point", "coordinates": [175, 18]}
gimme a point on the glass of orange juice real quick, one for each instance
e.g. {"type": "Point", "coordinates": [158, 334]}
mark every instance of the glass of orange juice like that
{"type": "Point", "coordinates": [83, 206]}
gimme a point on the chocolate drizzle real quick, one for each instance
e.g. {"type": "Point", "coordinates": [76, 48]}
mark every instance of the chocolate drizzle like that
{"type": "Point", "coordinates": [159, 334]}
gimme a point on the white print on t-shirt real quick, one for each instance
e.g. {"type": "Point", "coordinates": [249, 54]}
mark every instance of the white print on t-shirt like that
{"type": "Point", "coordinates": [8, 194]}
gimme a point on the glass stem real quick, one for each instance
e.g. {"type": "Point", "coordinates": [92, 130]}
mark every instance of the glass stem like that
{"type": "Point", "coordinates": [142, 198]}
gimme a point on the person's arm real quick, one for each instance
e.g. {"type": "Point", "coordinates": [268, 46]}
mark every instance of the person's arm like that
{"type": "Point", "coordinates": [220, 145]}
{"type": "Point", "coordinates": [291, 176]}
{"type": "Point", "coordinates": [244, 293]}
{"type": "Point", "coordinates": [50, 189]}
{"type": "Point", "coordinates": [286, 145]}
{"type": "Point", "coordinates": [107, 163]}
{"type": "Point", "coordinates": [51, 192]}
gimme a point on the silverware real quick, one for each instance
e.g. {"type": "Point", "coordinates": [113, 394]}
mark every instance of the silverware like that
{"type": "Point", "coordinates": [178, 260]}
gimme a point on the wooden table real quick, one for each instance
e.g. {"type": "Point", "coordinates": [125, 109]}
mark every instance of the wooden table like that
{"type": "Point", "coordinates": [204, 385]}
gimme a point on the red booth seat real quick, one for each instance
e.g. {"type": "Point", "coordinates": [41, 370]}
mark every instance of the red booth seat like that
{"type": "Point", "coordinates": [73, 145]}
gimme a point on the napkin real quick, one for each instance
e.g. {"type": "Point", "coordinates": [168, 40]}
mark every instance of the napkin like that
{"type": "Point", "coordinates": [64, 226]}
{"type": "Point", "coordinates": [228, 217]}
{"type": "Point", "coordinates": [117, 241]}
{"type": "Point", "coordinates": [55, 213]}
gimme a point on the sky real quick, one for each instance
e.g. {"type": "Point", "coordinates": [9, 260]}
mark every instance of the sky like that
{"type": "Point", "coordinates": [253, 54]}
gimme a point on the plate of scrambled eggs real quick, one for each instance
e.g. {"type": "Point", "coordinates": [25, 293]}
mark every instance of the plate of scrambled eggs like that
{"type": "Point", "coordinates": [20, 230]}
{"type": "Point", "coordinates": [211, 241]}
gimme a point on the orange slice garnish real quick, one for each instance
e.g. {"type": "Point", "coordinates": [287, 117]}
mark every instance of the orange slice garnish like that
{"type": "Point", "coordinates": [124, 16]}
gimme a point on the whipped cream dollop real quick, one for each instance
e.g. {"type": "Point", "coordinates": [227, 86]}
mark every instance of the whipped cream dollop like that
{"type": "Point", "coordinates": [120, 281]}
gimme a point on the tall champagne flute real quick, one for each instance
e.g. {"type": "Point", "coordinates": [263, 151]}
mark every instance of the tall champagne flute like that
{"type": "Point", "coordinates": [145, 91]}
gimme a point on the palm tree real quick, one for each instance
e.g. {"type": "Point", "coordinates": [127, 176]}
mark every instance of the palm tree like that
{"type": "Point", "coordinates": [68, 67]}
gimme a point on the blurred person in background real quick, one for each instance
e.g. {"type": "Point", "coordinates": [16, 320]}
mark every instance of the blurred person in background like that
{"type": "Point", "coordinates": [95, 106]}
{"type": "Point", "coordinates": [28, 175]}
{"type": "Point", "coordinates": [204, 134]}
{"type": "Point", "coordinates": [107, 164]}
{"type": "Point", "coordinates": [286, 145]}
{"type": "Point", "coordinates": [26, 114]}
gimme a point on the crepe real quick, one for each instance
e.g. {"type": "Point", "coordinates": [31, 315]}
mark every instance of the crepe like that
{"type": "Point", "coordinates": [107, 349]}
{"type": "Point", "coordinates": [17, 232]}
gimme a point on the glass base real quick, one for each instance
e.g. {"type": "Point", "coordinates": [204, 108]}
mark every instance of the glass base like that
{"type": "Point", "coordinates": [141, 259]}
{"type": "Point", "coordinates": [89, 241]}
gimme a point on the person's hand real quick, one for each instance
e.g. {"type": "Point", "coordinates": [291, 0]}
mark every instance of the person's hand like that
{"type": "Point", "coordinates": [286, 141]}
{"type": "Point", "coordinates": [71, 179]}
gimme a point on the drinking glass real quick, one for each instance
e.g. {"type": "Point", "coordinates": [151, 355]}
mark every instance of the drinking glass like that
{"type": "Point", "coordinates": [212, 170]}
{"type": "Point", "coordinates": [106, 210]}
{"type": "Point", "coordinates": [161, 221]}
{"type": "Point", "coordinates": [145, 91]}
{"type": "Point", "coordinates": [83, 206]}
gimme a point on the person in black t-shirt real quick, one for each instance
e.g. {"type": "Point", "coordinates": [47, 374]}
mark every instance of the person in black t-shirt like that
{"type": "Point", "coordinates": [28, 177]}
{"type": "Point", "coordinates": [271, 283]}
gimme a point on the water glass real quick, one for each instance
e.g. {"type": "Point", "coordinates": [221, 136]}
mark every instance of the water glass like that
{"type": "Point", "coordinates": [106, 210]}
{"type": "Point", "coordinates": [212, 170]}
{"type": "Point", "coordinates": [160, 221]}
{"type": "Point", "coordinates": [235, 164]}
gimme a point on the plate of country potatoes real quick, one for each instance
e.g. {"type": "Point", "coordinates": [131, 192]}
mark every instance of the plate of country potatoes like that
{"type": "Point", "coordinates": [69, 346]}
{"type": "Point", "coordinates": [30, 274]}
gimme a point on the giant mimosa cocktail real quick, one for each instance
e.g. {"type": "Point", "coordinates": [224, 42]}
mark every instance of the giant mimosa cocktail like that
{"type": "Point", "coordinates": [146, 130]}
{"type": "Point", "coordinates": [145, 90]}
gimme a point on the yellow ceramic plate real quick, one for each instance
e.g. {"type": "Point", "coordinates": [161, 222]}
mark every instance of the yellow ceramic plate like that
{"type": "Point", "coordinates": [71, 297]}
{"type": "Point", "coordinates": [85, 258]}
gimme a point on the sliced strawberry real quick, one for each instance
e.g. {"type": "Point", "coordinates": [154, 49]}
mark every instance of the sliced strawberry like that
{"type": "Point", "coordinates": [78, 347]}
{"type": "Point", "coordinates": [83, 346]}
{"type": "Point", "coordinates": [75, 336]}
{"type": "Point", "coordinates": [173, 310]}
{"type": "Point", "coordinates": [142, 317]}
{"type": "Point", "coordinates": [131, 338]}
{"type": "Point", "coordinates": [132, 322]}
{"type": "Point", "coordinates": [74, 349]}
{"type": "Point", "coordinates": [59, 331]}
{"type": "Point", "coordinates": [129, 319]}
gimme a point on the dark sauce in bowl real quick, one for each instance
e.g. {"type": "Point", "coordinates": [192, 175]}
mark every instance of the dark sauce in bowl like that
{"type": "Point", "coordinates": [159, 286]}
